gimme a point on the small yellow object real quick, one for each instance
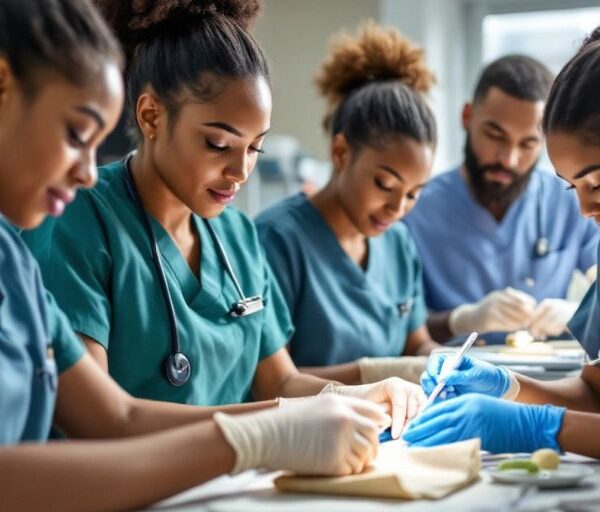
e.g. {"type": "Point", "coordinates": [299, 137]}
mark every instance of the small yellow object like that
{"type": "Point", "coordinates": [519, 339]}
{"type": "Point", "coordinates": [546, 458]}
{"type": "Point", "coordinates": [527, 464]}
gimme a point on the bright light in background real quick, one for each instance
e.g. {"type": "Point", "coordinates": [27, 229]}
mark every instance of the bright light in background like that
{"type": "Point", "coordinates": [551, 36]}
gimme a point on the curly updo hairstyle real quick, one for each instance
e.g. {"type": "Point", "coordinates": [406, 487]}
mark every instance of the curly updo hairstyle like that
{"type": "Point", "coordinates": [573, 105]}
{"type": "Point", "coordinates": [66, 37]}
{"type": "Point", "coordinates": [375, 85]}
{"type": "Point", "coordinates": [184, 48]}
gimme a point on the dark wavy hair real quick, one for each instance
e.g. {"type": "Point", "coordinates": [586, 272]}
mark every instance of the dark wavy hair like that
{"type": "Point", "coordinates": [573, 105]}
{"type": "Point", "coordinates": [67, 37]}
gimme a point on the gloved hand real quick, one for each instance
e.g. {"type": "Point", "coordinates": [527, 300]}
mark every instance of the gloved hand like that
{"type": "Point", "coordinates": [500, 310]}
{"type": "Point", "coordinates": [405, 400]}
{"type": "Point", "coordinates": [471, 376]}
{"type": "Point", "coordinates": [550, 317]}
{"type": "Point", "coordinates": [374, 369]}
{"type": "Point", "coordinates": [330, 436]}
{"type": "Point", "coordinates": [502, 426]}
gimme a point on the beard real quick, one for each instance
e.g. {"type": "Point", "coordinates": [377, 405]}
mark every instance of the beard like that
{"type": "Point", "coordinates": [492, 193]}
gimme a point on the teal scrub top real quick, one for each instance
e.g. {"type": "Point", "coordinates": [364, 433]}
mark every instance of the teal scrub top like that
{"type": "Point", "coordinates": [96, 260]}
{"type": "Point", "coordinates": [36, 341]}
{"type": "Point", "coordinates": [585, 323]}
{"type": "Point", "coordinates": [340, 311]}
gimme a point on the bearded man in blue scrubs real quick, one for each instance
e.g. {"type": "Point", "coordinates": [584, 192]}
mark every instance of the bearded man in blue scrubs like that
{"type": "Point", "coordinates": [500, 238]}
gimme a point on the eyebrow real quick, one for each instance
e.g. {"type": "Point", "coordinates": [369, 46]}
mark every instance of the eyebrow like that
{"type": "Point", "coordinates": [586, 170]}
{"type": "Point", "coordinates": [496, 126]}
{"type": "Point", "coordinates": [93, 114]}
{"type": "Point", "coordinates": [397, 174]}
{"type": "Point", "coordinates": [231, 129]}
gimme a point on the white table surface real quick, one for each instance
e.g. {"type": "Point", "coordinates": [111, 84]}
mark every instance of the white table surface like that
{"type": "Point", "coordinates": [252, 491]}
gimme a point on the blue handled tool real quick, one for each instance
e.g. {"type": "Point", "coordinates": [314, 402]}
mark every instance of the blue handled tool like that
{"type": "Point", "coordinates": [386, 435]}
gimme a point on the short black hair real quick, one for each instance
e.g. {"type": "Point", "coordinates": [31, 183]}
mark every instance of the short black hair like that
{"type": "Point", "coordinates": [573, 104]}
{"type": "Point", "coordinates": [64, 36]}
{"type": "Point", "coordinates": [519, 76]}
{"type": "Point", "coordinates": [180, 47]}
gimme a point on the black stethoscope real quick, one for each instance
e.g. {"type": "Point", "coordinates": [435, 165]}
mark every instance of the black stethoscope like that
{"type": "Point", "coordinates": [176, 366]}
{"type": "Point", "coordinates": [541, 246]}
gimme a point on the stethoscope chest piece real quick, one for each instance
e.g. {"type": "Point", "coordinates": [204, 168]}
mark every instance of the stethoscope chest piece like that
{"type": "Point", "coordinates": [177, 369]}
{"type": "Point", "coordinates": [542, 247]}
{"type": "Point", "coordinates": [247, 306]}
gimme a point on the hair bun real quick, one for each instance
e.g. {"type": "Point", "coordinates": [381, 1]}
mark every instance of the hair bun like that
{"type": "Point", "coordinates": [376, 53]}
{"type": "Point", "coordinates": [132, 20]}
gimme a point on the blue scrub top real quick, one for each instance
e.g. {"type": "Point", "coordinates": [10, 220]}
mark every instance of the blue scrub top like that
{"type": "Point", "coordinates": [585, 324]}
{"type": "Point", "coordinates": [96, 260]}
{"type": "Point", "coordinates": [467, 254]}
{"type": "Point", "coordinates": [340, 311]}
{"type": "Point", "coordinates": [35, 341]}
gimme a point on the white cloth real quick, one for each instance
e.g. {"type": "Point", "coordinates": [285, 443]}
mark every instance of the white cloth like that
{"type": "Point", "coordinates": [409, 368]}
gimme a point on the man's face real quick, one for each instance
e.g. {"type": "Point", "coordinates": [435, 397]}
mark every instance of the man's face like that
{"type": "Point", "coordinates": [503, 145]}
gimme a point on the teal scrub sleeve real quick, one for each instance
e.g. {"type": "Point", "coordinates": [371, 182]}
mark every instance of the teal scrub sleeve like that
{"type": "Point", "coordinates": [76, 267]}
{"type": "Point", "coordinates": [418, 315]}
{"type": "Point", "coordinates": [589, 244]}
{"type": "Point", "coordinates": [285, 263]}
{"type": "Point", "coordinates": [68, 348]}
{"type": "Point", "coordinates": [277, 325]}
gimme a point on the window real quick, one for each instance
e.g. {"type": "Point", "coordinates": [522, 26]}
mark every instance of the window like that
{"type": "Point", "coordinates": [551, 36]}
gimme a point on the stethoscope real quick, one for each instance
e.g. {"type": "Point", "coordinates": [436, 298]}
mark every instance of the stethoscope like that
{"type": "Point", "coordinates": [541, 246]}
{"type": "Point", "coordinates": [176, 366]}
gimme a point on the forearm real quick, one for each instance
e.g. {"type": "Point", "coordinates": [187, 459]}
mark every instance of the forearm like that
{"type": "Point", "coordinates": [579, 433]}
{"type": "Point", "coordinates": [573, 393]}
{"type": "Point", "coordinates": [437, 324]}
{"type": "Point", "coordinates": [149, 416]}
{"type": "Point", "coordinates": [302, 384]}
{"type": "Point", "coordinates": [111, 475]}
{"type": "Point", "coordinates": [423, 348]}
{"type": "Point", "coordinates": [347, 373]}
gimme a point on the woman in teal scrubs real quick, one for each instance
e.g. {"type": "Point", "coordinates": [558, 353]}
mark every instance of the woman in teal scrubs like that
{"type": "Point", "coordinates": [349, 271]}
{"type": "Point", "coordinates": [151, 266]}
{"type": "Point", "coordinates": [60, 94]}
{"type": "Point", "coordinates": [567, 417]}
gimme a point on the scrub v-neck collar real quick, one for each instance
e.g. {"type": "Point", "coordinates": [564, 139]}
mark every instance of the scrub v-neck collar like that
{"type": "Point", "coordinates": [325, 237]}
{"type": "Point", "coordinates": [207, 287]}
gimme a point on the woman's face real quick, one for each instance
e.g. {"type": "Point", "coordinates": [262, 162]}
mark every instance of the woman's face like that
{"type": "Point", "coordinates": [377, 187]}
{"type": "Point", "coordinates": [212, 148]}
{"type": "Point", "coordinates": [578, 163]}
{"type": "Point", "coordinates": [48, 142]}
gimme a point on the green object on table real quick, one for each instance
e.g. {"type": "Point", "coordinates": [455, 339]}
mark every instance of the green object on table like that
{"type": "Point", "coordinates": [526, 464]}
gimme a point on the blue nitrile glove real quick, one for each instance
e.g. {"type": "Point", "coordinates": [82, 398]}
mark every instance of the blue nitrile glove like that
{"type": "Point", "coordinates": [472, 376]}
{"type": "Point", "coordinates": [503, 426]}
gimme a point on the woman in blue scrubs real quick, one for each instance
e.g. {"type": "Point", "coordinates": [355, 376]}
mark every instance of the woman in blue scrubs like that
{"type": "Point", "coordinates": [60, 94]}
{"type": "Point", "coordinates": [166, 283]}
{"type": "Point", "coordinates": [349, 271]}
{"type": "Point", "coordinates": [568, 416]}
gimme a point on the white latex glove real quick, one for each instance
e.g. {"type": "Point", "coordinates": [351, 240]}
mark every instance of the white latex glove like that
{"type": "Point", "coordinates": [404, 399]}
{"type": "Point", "coordinates": [500, 310]}
{"type": "Point", "coordinates": [329, 436]}
{"type": "Point", "coordinates": [551, 316]}
{"type": "Point", "coordinates": [409, 368]}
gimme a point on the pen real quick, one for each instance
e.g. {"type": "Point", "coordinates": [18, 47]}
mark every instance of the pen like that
{"type": "Point", "coordinates": [449, 366]}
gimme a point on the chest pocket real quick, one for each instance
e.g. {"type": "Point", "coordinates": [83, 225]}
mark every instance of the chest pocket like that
{"type": "Point", "coordinates": [43, 396]}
